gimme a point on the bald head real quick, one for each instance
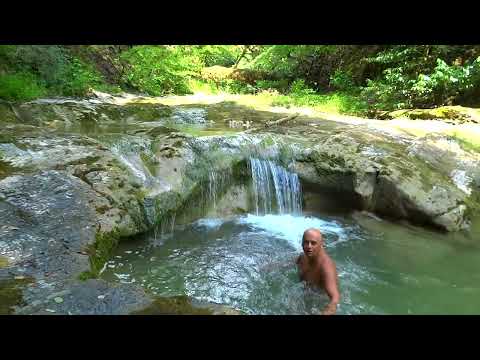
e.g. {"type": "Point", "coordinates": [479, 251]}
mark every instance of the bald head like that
{"type": "Point", "coordinates": [312, 242]}
{"type": "Point", "coordinates": [312, 233]}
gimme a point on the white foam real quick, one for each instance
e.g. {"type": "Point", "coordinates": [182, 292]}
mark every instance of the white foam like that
{"type": "Point", "coordinates": [290, 227]}
{"type": "Point", "coordinates": [462, 180]}
{"type": "Point", "coordinates": [210, 223]}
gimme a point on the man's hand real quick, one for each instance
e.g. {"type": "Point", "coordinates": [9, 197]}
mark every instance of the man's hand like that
{"type": "Point", "coordinates": [330, 309]}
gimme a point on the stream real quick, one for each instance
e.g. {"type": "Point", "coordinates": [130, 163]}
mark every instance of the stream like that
{"type": "Point", "coordinates": [246, 259]}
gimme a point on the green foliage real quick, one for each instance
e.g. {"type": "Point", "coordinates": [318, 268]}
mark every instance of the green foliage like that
{"type": "Point", "coordinates": [161, 70]}
{"type": "Point", "coordinates": [371, 77]}
{"type": "Point", "coordinates": [398, 89]}
{"type": "Point", "coordinates": [223, 55]}
{"type": "Point", "coordinates": [299, 89]}
{"type": "Point", "coordinates": [446, 81]}
{"type": "Point", "coordinates": [79, 78]}
{"type": "Point", "coordinates": [337, 103]}
{"type": "Point", "coordinates": [236, 87]}
{"type": "Point", "coordinates": [285, 59]}
{"type": "Point", "coordinates": [39, 70]}
{"type": "Point", "coordinates": [342, 80]}
{"type": "Point", "coordinates": [280, 85]}
{"type": "Point", "coordinates": [20, 86]}
{"type": "Point", "coordinates": [48, 62]}
{"type": "Point", "coordinates": [202, 86]}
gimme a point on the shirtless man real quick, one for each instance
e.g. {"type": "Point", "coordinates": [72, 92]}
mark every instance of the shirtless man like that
{"type": "Point", "coordinates": [318, 269]}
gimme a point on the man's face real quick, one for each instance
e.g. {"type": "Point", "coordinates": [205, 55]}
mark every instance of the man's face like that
{"type": "Point", "coordinates": [312, 242]}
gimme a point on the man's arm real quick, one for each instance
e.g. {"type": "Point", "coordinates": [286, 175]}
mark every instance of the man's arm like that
{"type": "Point", "coordinates": [331, 287]}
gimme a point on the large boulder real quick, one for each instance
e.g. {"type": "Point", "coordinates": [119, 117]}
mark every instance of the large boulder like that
{"type": "Point", "coordinates": [394, 176]}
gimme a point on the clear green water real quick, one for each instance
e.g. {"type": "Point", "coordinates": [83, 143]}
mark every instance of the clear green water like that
{"type": "Point", "coordinates": [195, 119]}
{"type": "Point", "coordinates": [247, 263]}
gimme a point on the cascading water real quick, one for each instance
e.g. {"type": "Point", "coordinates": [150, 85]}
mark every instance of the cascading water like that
{"type": "Point", "coordinates": [273, 185]}
{"type": "Point", "coordinates": [218, 182]}
{"type": "Point", "coordinates": [128, 150]}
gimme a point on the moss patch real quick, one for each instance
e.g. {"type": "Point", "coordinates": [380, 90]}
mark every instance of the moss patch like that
{"type": "Point", "coordinates": [177, 305]}
{"type": "Point", "coordinates": [142, 112]}
{"type": "Point", "coordinates": [458, 114]}
{"type": "Point", "coordinates": [3, 262]}
{"type": "Point", "coordinates": [11, 294]}
{"type": "Point", "coordinates": [100, 252]}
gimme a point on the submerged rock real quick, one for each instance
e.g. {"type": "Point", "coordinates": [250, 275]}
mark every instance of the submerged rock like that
{"type": "Point", "coordinates": [183, 305]}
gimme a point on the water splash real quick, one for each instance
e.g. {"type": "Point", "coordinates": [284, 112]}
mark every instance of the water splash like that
{"type": "Point", "coordinates": [275, 187]}
{"type": "Point", "coordinates": [291, 228]}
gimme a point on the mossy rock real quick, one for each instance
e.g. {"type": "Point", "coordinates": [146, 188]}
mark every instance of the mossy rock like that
{"type": "Point", "coordinates": [11, 294]}
{"type": "Point", "coordinates": [159, 130]}
{"type": "Point", "coordinates": [457, 114]}
{"type": "Point", "coordinates": [6, 113]}
{"type": "Point", "coordinates": [100, 252]}
{"type": "Point", "coordinates": [3, 261]}
{"type": "Point", "coordinates": [141, 112]}
{"type": "Point", "coordinates": [177, 305]}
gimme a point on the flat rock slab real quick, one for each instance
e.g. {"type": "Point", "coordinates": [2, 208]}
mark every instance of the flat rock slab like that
{"type": "Point", "coordinates": [46, 223]}
{"type": "Point", "coordinates": [90, 297]}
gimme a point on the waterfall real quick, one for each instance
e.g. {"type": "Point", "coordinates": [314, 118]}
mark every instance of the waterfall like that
{"type": "Point", "coordinates": [275, 186]}
{"type": "Point", "coordinates": [218, 181]}
{"type": "Point", "coordinates": [212, 187]}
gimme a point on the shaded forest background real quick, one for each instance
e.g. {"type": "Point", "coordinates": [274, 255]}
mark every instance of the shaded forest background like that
{"type": "Point", "coordinates": [358, 79]}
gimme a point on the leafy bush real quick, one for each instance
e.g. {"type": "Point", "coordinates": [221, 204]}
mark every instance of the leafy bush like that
{"type": "Point", "coordinates": [342, 80]}
{"type": "Point", "coordinates": [211, 55]}
{"type": "Point", "coordinates": [160, 70]}
{"type": "Point", "coordinates": [445, 83]}
{"type": "Point", "coordinates": [299, 89]}
{"type": "Point", "coordinates": [236, 87]}
{"type": "Point", "coordinates": [280, 85]}
{"type": "Point", "coordinates": [46, 70]}
{"type": "Point", "coordinates": [20, 86]}
{"type": "Point", "coordinates": [79, 78]}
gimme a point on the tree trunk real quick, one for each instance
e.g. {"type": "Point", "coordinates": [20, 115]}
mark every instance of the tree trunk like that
{"type": "Point", "coordinates": [241, 56]}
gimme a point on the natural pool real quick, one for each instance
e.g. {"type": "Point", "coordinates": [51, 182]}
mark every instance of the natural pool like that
{"type": "Point", "coordinates": [247, 262]}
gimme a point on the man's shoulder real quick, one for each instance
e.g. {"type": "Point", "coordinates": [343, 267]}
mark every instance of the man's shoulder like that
{"type": "Point", "coordinates": [328, 262]}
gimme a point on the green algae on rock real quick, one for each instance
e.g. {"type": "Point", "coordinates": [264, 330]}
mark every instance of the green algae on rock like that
{"type": "Point", "coordinates": [3, 261]}
{"type": "Point", "coordinates": [11, 294]}
{"type": "Point", "coordinates": [183, 305]}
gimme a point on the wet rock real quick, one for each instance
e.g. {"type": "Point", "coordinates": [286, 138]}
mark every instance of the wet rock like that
{"type": "Point", "coordinates": [189, 115]}
{"type": "Point", "coordinates": [391, 176]}
{"type": "Point", "coordinates": [451, 114]}
{"type": "Point", "coordinates": [119, 299]}
{"type": "Point", "coordinates": [183, 305]}
{"type": "Point", "coordinates": [7, 113]}
{"type": "Point", "coordinates": [52, 226]}
{"type": "Point", "coordinates": [42, 153]}
{"type": "Point", "coordinates": [11, 294]}
{"type": "Point", "coordinates": [88, 114]}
